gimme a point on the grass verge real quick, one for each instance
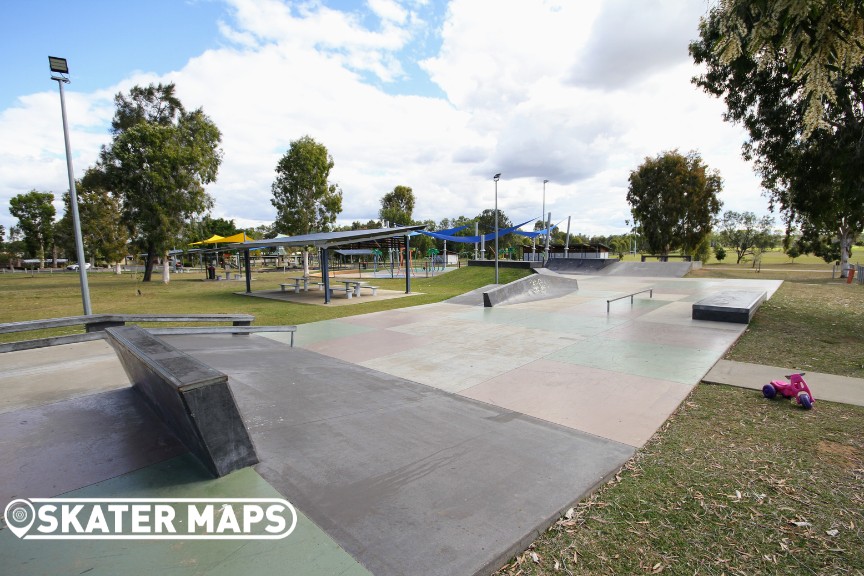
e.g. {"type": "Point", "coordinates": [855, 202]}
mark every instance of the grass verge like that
{"type": "Point", "coordinates": [732, 484]}
{"type": "Point", "coordinates": [30, 297]}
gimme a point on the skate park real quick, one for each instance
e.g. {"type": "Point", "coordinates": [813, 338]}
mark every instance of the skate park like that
{"type": "Point", "coordinates": [410, 440]}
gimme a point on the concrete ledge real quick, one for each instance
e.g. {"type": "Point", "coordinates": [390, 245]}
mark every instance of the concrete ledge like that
{"type": "Point", "coordinates": [235, 330]}
{"type": "Point", "coordinates": [530, 288]}
{"type": "Point", "coordinates": [95, 324]}
{"type": "Point", "coordinates": [53, 341]}
{"type": "Point", "coordinates": [193, 399]}
{"type": "Point", "coordinates": [737, 306]}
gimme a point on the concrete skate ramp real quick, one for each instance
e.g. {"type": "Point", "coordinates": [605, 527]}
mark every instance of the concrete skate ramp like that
{"type": "Point", "coordinates": [529, 289]}
{"type": "Point", "coordinates": [579, 265]}
{"type": "Point", "coordinates": [472, 298]}
{"type": "Point", "coordinates": [648, 269]}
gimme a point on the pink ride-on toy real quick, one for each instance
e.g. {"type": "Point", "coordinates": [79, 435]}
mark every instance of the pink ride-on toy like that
{"type": "Point", "coordinates": [796, 388]}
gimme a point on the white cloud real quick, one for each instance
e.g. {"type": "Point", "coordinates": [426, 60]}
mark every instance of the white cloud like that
{"type": "Point", "coordinates": [629, 43]}
{"type": "Point", "coordinates": [538, 89]}
{"type": "Point", "coordinates": [389, 10]}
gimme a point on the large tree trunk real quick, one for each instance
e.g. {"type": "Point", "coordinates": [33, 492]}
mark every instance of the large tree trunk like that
{"type": "Point", "coordinates": [166, 268]}
{"type": "Point", "coordinates": [305, 263]}
{"type": "Point", "coordinates": [148, 264]}
{"type": "Point", "coordinates": [845, 234]}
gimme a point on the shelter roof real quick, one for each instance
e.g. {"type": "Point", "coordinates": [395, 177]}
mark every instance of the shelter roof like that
{"type": "Point", "coordinates": [212, 240]}
{"type": "Point", "coordinates": [329, 239]}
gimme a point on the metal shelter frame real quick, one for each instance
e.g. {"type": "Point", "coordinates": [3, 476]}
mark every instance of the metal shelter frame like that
{"type": "Point", "coordinates": [324, 241]}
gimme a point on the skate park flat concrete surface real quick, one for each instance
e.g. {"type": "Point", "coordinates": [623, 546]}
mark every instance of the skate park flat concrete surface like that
{"type": "Point", "coordinates": [438, 439]}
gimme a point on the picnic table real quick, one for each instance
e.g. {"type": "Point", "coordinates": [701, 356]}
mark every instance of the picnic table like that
{"type": "Point", "coordinates": [353, 285]}
{"type": "Point", "coordinates": [296, 281]}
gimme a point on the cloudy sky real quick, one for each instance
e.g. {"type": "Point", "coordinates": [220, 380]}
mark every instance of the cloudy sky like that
{"type": "Point", "coordinates": [434, 95]}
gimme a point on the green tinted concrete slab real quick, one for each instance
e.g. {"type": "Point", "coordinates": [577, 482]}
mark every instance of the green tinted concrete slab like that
{"type": "Point", "coordinates": [552, 322]}
{"type": "Point", "coordinates": [388, 318]}
{"type": "Point", "coordinates": [442, 328]}
{"type": "Point", "coordinates": [376, 343]}
{"type": "Point", "coordinates": [307, 551]}
{"type": "Point", "coordinates": [445, 368]}
{"type": "Point", "coordinates": [705, 338]}
{"type": "Point", "coordinates": [325, 330]}
{"type": "Point", "coordinates": [678, 364]}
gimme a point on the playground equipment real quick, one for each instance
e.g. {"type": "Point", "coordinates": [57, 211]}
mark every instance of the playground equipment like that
{"type": "Point", "coordinates": [398, 263]}
{"type": "Point", "coordinates": [435, 263]}
{"type": "Point", "coordinates": [796, 388]}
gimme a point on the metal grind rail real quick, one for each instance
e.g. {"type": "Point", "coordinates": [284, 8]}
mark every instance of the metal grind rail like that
{"type": "Point", "coordinates": [650, 294]}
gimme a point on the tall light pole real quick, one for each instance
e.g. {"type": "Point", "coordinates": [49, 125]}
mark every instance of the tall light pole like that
{"type": "Point", "coordinates": [495, 178]}
{"type": "Point", "coordinates": [546, 255]}
{"type": "Point", "coordinates": [59, 66]}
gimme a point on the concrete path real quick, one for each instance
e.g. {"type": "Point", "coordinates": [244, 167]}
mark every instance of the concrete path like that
{"type": "Point", "coordinates": [824, 386]}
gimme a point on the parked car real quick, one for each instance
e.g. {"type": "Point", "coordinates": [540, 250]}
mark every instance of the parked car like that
{"type": "Point", "coordinates": [75, 266]}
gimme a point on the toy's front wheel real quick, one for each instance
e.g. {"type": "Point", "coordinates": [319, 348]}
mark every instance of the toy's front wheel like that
{"type": "Point", "coordinates": [805, 401]}
{"type": "Point", "coordinates": [769, 391]}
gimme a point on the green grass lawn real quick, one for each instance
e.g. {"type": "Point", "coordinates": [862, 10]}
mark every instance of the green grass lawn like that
{"type": "Point", "coordinates": [772, 258]}
{"type": "Point", "coordinates": [732, 484]}
{"type": "Point", "coordinates": [29, 297]}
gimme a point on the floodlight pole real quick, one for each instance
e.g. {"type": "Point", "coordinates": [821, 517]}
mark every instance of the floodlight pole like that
{"type": "Point", "coordinates": [545, 225]}
{"type": "Point", "coordinates": [495, 178]}
{"type": "Point", "coordinates": [546, 259]}
{"type": "Point", "coordinates": [73, 196]}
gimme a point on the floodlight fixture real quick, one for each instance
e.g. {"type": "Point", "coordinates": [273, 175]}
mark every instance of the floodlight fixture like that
{"type": "Point", "coordinates": [58, 65]}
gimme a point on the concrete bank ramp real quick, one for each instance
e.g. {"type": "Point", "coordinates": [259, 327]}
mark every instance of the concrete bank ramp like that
{"type": "Point", "coordinates": [580, 265]}
{"type": "Point", "coordinates": [541, 286]}
{"type": "Point", "coordinates": [648, 269]}
{"type": "Point", "coordinates": [472, 298]}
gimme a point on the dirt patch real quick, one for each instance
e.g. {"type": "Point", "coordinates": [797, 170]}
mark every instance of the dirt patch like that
{"type": "Point", "coordinates": [842, 454]}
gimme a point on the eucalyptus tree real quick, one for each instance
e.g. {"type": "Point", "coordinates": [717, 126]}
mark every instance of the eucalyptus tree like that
{"type": "Point", "coordinates": [35, 213]}
{"type": "Point", "coordinates": [674, 201]}
{"type": "Point", "coordinates": [159, 161]}
{"type": "Point", "coordinates": [303, 196]}
{"type": "Point", "coordinates": [800, 101]}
